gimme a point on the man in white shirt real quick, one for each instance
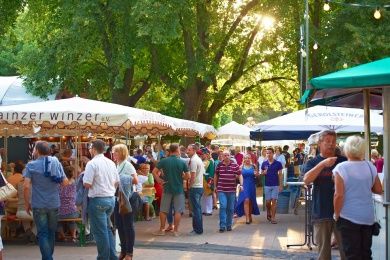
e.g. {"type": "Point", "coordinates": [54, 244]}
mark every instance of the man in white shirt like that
{"type": "Point", "coordinates": [101, 179]}
{"type": "Point", "coordinates": [197, 171]}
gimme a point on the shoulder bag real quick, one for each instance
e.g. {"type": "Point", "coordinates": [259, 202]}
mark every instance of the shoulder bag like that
{"type": "Point", "coordinates": [123, 203]}
{"type": "Point", "coordinates": [8, 190]}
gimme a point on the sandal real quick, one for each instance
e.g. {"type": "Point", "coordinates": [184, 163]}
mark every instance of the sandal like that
{"type": "Point", "coordinates": [122, 256]}
{"type": "Point", "coordinates": [274, 222]}
{"type": "Point", "coordinates": [268, 216]}
{"type": "Point", "coordinates": [169, 229]}
{"type": "Point", "coordinates": [128, 257]}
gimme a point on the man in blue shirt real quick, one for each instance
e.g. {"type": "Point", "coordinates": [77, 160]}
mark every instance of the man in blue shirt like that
{"type": "Point", "coordinates": [272, 169]}
{"type": "Point", "coordinates": [44, 175]}
{"type": "Point", "coordinates": [319, 172]}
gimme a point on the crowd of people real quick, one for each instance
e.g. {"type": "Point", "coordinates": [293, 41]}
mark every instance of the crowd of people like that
{"type": "Point", "coordinates": [112, 188]}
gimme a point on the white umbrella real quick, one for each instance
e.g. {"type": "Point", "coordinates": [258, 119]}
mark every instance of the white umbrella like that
{"type": "Point", "coordinates": [319, 118]}
{"type": "Point", "coordinates": [233, 133]}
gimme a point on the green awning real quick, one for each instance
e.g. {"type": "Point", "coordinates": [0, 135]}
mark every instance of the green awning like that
{"type": "Point", "coordinates": [329, 87]}
{"type": "Point", "coordinates": [306, 95]}
{"type": "Point", "coordinates": [373, 74]}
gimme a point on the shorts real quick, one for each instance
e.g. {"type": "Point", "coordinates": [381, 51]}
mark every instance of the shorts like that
{"type": "Point", "coordinates": [271, 192]}
{"type": "Point", "coordinates": [168, 198]}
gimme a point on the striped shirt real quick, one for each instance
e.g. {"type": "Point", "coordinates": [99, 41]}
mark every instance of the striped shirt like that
{"type": "Point", "coordinates": [227, 175]}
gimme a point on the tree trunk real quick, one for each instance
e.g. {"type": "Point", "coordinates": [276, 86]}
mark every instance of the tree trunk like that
{"type": "Point", "coordinates": [121, 96]}
{"type": "Point", "coordinates": [193, 97]}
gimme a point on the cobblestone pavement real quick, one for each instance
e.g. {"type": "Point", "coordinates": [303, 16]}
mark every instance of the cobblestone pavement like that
{"type": "Point", "coordinates": [259, 240]}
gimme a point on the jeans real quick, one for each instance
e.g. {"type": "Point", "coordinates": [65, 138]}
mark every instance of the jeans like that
{"type": "Point", "coordinates": [46, 221]}
{"type": "Point", "coordinates": [356, 239]}
{"type": "Point", "coordinates": [226, 208]}
{"type": "Point", "coordinates": [195, 199]}
{"type": "Point", "coordinates": [125, 226]}
{"type": "Point", "coordinates": [99, 212]}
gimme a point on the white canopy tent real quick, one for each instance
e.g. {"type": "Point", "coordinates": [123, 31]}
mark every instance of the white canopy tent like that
{"type": "Point", "coordinates": [78, 114]}
{"type": "Point", "coordinates": [320, 118]}
{"type": "Point", "coordinates": [233, 133]}
{"type": "Point", "coordinates": [189, 128]}
{"type": "Point", "coordinates": [13, 92]}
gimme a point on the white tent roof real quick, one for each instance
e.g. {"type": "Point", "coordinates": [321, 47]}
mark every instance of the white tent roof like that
{"type": "Point", "coordinates": [319, 118]}
{"type": "Point", "coordinates": [192, 128]}
{"type": "Point", "coordinates": [233, 133]}
{"type": "Point", "coordinates": [12, 92]}
{"type": "Point", "coordinates": [233, 130]}
{"type": "Point", "coordinates": [83, 114]}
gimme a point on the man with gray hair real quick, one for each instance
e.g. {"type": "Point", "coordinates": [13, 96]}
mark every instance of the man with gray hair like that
{"type": "Point", "coordinates": [318, 171]}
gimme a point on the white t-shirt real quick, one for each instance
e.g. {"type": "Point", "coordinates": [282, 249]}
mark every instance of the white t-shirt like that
{"type": "Point", "coordinates": [102, 174]}
{"type": "Point", "coordinates": [358, 177]}
{"type": "Point", "coordinates": [196, 165]}
{"type": "Point", "coordinates": [280, 158]}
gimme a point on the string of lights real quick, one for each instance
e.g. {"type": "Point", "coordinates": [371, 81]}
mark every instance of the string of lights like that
{"type": "Point", "coordinates": [377, 7]}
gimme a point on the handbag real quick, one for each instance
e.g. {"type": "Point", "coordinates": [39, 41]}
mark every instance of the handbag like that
{"type": "Point", "coordinates": [123, 206]}
{"type": "Point", "coordinates": [376, 227]}
{"type": "Point", "coordinates": [8, 190]}
{"type": "Point", "coordinates": [123, 203]}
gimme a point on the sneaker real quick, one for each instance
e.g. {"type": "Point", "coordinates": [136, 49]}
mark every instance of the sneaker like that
{"type": "Point", "coordinates": [159, 233]}
{"type": "Point", "coordinates": [229, 228]}
{"type": "Point", "coordinates": [221, 230]}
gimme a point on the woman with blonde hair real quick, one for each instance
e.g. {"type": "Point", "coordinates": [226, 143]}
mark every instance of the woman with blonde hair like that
{"type": "Point", "coordinates": [124, 222]}
{"type": "Point", "coordinates": [355, 181]}
{"type": "Point", "coordinates": [246, 204]}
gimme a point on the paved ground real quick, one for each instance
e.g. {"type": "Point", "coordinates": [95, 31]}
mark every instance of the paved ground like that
{"type": "Point", "coordinates": [259, 240]}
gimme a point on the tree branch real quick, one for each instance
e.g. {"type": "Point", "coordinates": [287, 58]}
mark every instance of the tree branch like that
{"type": "Point", "coordinates": [238, 67]}
{"type": "Point", "coordinates": [251, 87]}
{"type": "Point", "coordinates": [253, 66]}
{"type": "Point", "coordinates": [140, 92]}
{"type": "Point", "coordinates": [244, 11]}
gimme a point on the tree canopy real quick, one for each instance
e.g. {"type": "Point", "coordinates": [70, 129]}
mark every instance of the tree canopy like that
{"type": "Point", "coordinates": [196, 59]}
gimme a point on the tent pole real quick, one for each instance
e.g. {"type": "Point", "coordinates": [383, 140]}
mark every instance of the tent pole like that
{"type": "Point", "coordinates": [367, 134]}
{"type": "Point", "coordinates": [78, 154]}
{"type": "Point", "coordinates": [386, 166]}
{"type": "Point", "coordinates": [5, 151]}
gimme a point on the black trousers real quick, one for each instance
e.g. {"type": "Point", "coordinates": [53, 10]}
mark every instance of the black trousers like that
{"type": "Point", "coordinates": [125, 226]}
{"type": "Point", "coordinates": [356, 239]}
